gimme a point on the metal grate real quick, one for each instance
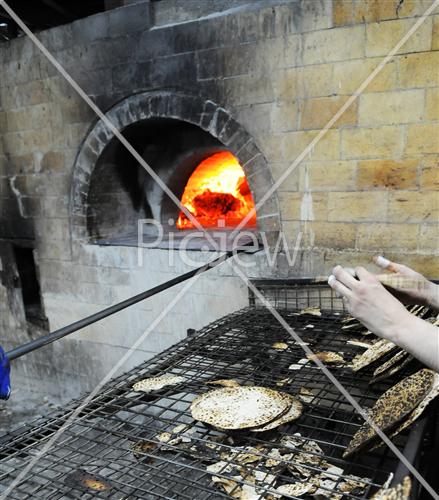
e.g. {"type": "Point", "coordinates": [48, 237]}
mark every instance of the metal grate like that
{"type": "Point", "coordinates": [99, 445]}
{"type": "Point", "coordinates": [296, 294]}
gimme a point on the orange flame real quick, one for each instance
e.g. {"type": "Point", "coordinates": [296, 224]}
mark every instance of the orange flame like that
{"type": "Point", "coordinates": [217, 194]}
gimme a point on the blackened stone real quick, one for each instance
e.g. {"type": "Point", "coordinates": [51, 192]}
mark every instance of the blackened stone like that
{"type": "Point", "coordinates": [174, 70]}
{"type": "Point", "coordinates": [238, 141]}
{"type": "Point", "coordinates": [53, 161]}
{"type": "Point", "coordinates": [270, 223]}
{"type": "Point", "coordinates": [95, 82]}
{"type": "Point", "coordinates": [255, 164]}
{"type": "Point", "coordinates": [247, 152]}
{"type": "Point", "coordinates": [218, 122]}
{"type": "Point", "coordinates": [129, 19]}
{"type": "Point", "coordinates": [155, 43]}
{"type": "Point", "coordinates": [233, 135]}
{"type": "Point", "coordinates": [261, 179]}
{"type": "Point", "coordinates": [127, 76]}
{"type": "Point", "coordinates": [106, 101]}
{"type": "Point", "coordinates": [191, 108]}
{"type": "Point", "coordinates": [159, 104]}
{"type": "Point", "coordinates": [90, 29]}
{"type": "Point", "coordinates": [122, 48]}
{"type": "Point", "coordinates": [208, 112]}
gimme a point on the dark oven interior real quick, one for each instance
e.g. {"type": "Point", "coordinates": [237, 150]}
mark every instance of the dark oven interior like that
{"type": "Point", "coordinates": [121, 191]}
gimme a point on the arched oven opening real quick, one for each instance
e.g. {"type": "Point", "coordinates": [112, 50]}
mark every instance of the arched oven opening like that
{"type": "Point", "coordinates": [201, 172]}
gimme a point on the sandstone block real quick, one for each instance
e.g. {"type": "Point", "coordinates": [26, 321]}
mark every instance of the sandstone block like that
{"type": "Point", "coordinates": [256, 118]}
{"type": "Point", "coordinates": [271, 146]}
{"type": "Point", "coordinates": [435, 37]}
{"type": "Point", "coordinates": [291, 183]}
{"type": "Point", "coordinates": [54, 229]}
{"type": "Point", "coordinates": [422, 138]}
{"type": "Point", "coordinates": [349, 75]}
{"type": "Point", "coordinates": [417, 70]}
{"type": "Point", "coordinates": [413, 206]}
{"type": "Point", "coordinates": [333, 45]}
{"type": "Point", "coordinates": [390, 108]}
{"type": "Point", "coordinates": [387, 237]}
{"type": "Point", "coordinates": [387, 174]}
{"type": "Point", "coordinates": [327, 148]}
{"type": "Point", "coordinates": [17, 120]}
{"type": "Point", "coordinates": [357, 206]}
{"type": "Point", "coordinates": [429, 175]}
{"type": "Point", "coordinates": [382, 37]}
{"type": "Point", "coordinates": [342, 12]}
{"type": "Point", "coordinates": [302, 206]}
{"type": "Point", "coordinates": [432, 104]}
{"type": "Point", "coordinates": [371, 142]}
{"type": "Point", "coordinates": [248, 89]}
{"type": "Point", "coordinates": [374, 10]}
{"type": "Point", "coordinates": [286, 116]}
{"type": "Point", "coordinates": [56, 206]}
{"type": "Point", "coordinates": [317, 112]}
{"type": "Point", "coordinates": [53, 162]}
{"type": "Point", "coordinates": [308, 81]}
{"type": "Point", "coordinates": [428, 239]}
{"type": "Point", "coordinates": [328, 176]}
{"type": "Point", "coordinates": [332, 234]}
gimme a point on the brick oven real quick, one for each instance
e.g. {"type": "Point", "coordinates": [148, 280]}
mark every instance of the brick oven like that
{"type": "Point", "coordinates": [175, 132]}
{"type": "Point", "coordinates": [183, 81]}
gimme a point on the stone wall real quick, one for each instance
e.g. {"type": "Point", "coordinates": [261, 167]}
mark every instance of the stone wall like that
{"type": "Point", "coordinates": [282, 69]}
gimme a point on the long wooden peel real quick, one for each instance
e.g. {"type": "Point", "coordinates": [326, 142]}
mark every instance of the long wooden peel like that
{"type": "Point", "coordinates": [396, 281]}
{"type": "Point", "coordinates": [400, 282]}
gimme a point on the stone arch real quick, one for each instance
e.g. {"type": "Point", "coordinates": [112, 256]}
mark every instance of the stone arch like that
{"type": "Point", "coordinates": [203, 113]}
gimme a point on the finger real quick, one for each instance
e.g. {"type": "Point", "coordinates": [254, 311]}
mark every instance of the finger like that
{"type": "Point", "coordinates": [381, 261]}
{"type": "Point", "coordinates": [339, 288]}
{"type": "Point", "coordinates": [344, 277]}
{"type": "Point", "coordinates": [394, 267]}
{"type": "Point", "coordinates": [365, 275]}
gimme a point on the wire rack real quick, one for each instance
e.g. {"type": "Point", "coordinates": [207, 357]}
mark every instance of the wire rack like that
{"type": "Point", "coordinates": [296, 294]}
{"type": "Point", "coordinates": [113, 449]}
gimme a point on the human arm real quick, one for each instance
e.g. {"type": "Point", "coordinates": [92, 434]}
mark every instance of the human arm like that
{"type": "Point", "coordinates": [367, 300]}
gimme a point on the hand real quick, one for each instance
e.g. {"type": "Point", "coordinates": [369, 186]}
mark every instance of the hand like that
{"type": "Point", "coordinates": [367, 300]}
{"type": "Point", "coordinates": [412, 288]}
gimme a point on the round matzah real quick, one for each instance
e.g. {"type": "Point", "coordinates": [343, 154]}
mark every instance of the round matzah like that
{"type": "Point", "coordinates": [156, 383]}
{"type": "Point", "coordinates": [297, 489]}
{"type": "Point", "coordinates": [293, 413]}
{"type": "Point", "coordinates": [239, 407]}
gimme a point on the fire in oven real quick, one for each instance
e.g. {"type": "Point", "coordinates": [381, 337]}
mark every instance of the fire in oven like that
{"type": "Point", "coordinates": [237, 410]}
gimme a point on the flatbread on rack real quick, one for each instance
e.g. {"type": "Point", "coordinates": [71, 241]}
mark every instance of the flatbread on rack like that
{"type": "Point", "coordinates": [398, 492]}
{"type": "Point", "coordinates": [293, 413]}
{"type": "Point", "coordinates": [394, 405]}
{"type": "Point", "coordinates": [156, 383]}
{"type": "Point", "coordinates": [240, 407]}
{"type": "Point", "coordinates": [375, 352]}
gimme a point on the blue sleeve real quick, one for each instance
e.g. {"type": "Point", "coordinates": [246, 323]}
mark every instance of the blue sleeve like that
{"type": "Point", "coordinates": [5, 382]}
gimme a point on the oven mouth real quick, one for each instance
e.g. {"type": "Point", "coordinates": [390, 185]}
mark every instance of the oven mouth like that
{"type": "Point", "coordinates": [127, 205]}
{"type": "Point", "coordinates": [122, 193]}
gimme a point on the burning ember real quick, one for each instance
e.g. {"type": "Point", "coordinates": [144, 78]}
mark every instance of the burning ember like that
{"type": "Point", "coordinates": [217, 194]}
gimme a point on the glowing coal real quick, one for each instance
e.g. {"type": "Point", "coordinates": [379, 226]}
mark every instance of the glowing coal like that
{"type": "Point", "coordinates": [217, 194]}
